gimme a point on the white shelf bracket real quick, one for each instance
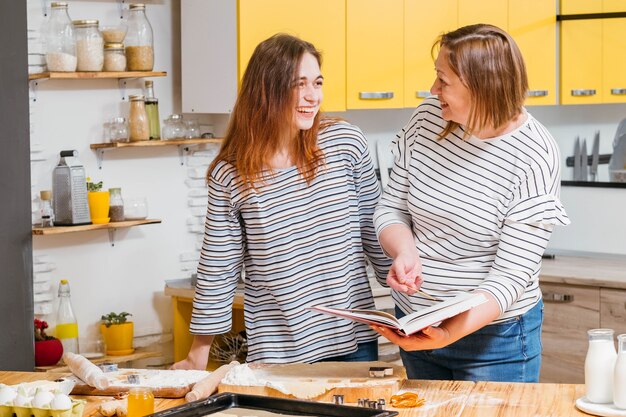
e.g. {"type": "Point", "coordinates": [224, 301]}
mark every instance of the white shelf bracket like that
{"type": "Point", "coordinates": [33, 88]}
{"type": "Point", "coordinates": [183, 150]}
{"type": "Point", "coordinates": [122, 85]}
{"type": "Point", "coordinates": [112, 236]}
{"type": "Point", "coordinates": [120, 8]}
{"type": "Point", "coordinates": [44, 8]}
{"type": "Point", "coordinates": [100, 157]}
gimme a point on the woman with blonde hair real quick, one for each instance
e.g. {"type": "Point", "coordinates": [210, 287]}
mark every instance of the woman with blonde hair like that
{"type": "Point", "coordinates": [291, 201]}
{"type": "Point", "coordinates": [471, 203]}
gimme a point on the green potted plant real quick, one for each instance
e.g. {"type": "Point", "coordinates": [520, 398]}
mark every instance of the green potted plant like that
{"type": "Point", "coordinates": [48, 349]}
{"type": "Point", "coordinates": [117, 333]}
{"type": "Point", "coordinates": [98, 202]}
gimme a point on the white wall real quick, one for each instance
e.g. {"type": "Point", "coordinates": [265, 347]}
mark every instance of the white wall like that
{"type": "Point", "coordinates": [130, 276]}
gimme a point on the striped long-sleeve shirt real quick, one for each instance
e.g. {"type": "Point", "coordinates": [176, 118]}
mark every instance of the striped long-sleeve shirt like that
{"type": "Point", "coordinates": [481, 211]}
{"type": "Point", "coordinates": [301, 245]}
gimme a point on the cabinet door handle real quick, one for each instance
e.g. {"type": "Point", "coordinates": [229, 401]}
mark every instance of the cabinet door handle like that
{"type": "Point", "coordinates": [422, 94]}
{"type": "Point", "coordinates": [555, 297]}
{"type": "Point", "coordinates": [618, 91]}
{"type": "Point", "coordinates": [583, 92]}
{"type": "Point", "coordinates": [537, 93]}
{"type": "Point", "coordinates": [375, 95]}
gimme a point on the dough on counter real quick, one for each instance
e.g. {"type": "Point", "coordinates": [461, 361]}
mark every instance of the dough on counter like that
{"type": "Point", "coordinates": [247, 412]}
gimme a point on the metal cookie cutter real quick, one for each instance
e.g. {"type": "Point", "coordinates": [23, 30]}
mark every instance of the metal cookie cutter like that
{"type": "Point", "coordinates": [338, 399]}
{"type": "Point", "coordinates": [133, 378]}
{"type": "Point", "coordinates": [380, 371]}
{"type": "Point", "coordinates": [381, 403]}
{"type": "Point", "coordinates": [363, 402]}
{"type": "Point", "coordinates": [108, 367]}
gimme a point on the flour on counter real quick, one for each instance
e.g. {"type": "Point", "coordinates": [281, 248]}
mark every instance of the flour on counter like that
{"type": "Point", "coordinates": [154, 378]}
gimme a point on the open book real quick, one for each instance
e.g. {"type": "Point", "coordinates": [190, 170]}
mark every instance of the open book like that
{"type": "Point", "coordinates": [414, 322]}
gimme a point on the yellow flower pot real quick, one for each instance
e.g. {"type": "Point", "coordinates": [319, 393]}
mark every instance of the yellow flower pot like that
{"type": "Point", "coordinates": [99, 206]}
{"type": "Point", "coordinates": [118, 338]}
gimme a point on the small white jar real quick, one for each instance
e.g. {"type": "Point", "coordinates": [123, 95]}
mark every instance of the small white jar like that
{"type": "Point", "coordinates": [114, 57]}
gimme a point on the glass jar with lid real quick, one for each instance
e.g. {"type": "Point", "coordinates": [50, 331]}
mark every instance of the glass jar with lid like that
{"type": "Point", "coordinates": [138, 120]}
{"type": "Point", "coordinates": [60, 43]}
{"type": "Point", "coordinates": [173, 127]}
{"type": "Point", "coordinates": [114, 57]}
{"type": "Point", "coordinates": [139, 40]}
{"type": "Point", "coordinates": [116, 205]}
{"type": "Point", "coordinates": [118, 130]}
{"type": "Point", "coordinates": [89, 46]}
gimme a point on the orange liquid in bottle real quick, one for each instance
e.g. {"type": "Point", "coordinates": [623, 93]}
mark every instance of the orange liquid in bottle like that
{"type": "Point", "coordinates": [140, 402]}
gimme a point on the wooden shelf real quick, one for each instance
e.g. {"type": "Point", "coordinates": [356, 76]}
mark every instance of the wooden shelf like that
{"type": "Point", "coordinates": [136, 355]}
{"type": "Point", "coordinates": [45, 231]}
{"type": "Point", "coordinates": [95, 75]}
{"type": "Point", "coordinates": [163, 142]}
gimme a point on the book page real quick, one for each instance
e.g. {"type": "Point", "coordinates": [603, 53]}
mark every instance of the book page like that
{"type": "Point", "coordinates": [375, 317]}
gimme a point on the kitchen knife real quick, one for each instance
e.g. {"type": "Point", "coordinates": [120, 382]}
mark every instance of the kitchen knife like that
{"type": "Point", "coordinates": [577, 165]}
{"type": "Point", "coordinates": [595, 156]}
{"type": "Point", "coordinates": [584, 164]}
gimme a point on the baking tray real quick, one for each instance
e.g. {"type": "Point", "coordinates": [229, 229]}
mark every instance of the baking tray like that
{"type": "Point", "coordinates": [284, 406]}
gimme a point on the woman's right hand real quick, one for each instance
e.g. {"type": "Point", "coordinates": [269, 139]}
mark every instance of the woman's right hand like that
{"type": "Point", "coordinates": [405, 274]}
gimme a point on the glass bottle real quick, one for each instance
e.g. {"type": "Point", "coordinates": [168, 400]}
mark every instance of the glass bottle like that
{"type": "Point", "coordinates": [89, 46]}
{"type": "Point", "coordinates": [67, 326]}
{"type": "Point", "coordinates": [139, 40]}
{"type": "Point", "coordinates": [114, 58]}
{"type": "Point", "coordinates": [116, 205]}
{"type": "Point", "coordinates": [47, 214]}
{"type": "Point", "coordinates": [60, 43]}
{"type": "Point", "coordinates": [138, 120]}
{"type": "Point", "coordinates": [140, 402]}
{"type": "Point", "coordinates": [152, 110]}
{"type": "Point", "coordinates": [599, 366]}
{"type": "Point", "coordinates": [619, 376]}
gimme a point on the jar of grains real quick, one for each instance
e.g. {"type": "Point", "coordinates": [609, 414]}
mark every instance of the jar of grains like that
{"type": "Point", "coordinates": [60, 44]}
{"type": "Point", "coordinates": [139, 43]}
{"type": "Point", "coordinates": [116, 205]}
{"type": "Point", "coordinates": [114, 58]}
{"type": "Point", "coordinates": [89, 46]}
{"type": "Point", "coordinates": [138, 120]}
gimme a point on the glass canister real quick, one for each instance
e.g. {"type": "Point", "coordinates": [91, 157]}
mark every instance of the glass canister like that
{"type": "Point", "coordinates": [139, 40]}
{"type": "Point", "coordinates": [173, 127]}
{"type": "Point", "coordinates": [138, 120]}
{"type": "Point", "coordinates": [60, 43]}
{"type": "Point", "coordinates": [116, 205]}
{"type": "Point", "coordinates": [89, 46]}
{"type": "Point", "coordinates": [599, 366]}
{"type": "Point", "coordinates": [118, 130]}
{"type": "Point", "coordinates": [114, 57]}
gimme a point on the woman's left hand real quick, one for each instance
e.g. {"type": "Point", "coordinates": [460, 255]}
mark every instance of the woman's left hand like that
{"type": "Point", "coordinates": [427, 339]}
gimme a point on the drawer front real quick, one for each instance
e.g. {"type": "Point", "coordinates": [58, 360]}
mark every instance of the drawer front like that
{"type": "Point", "coordinates": [569, 311]}
{"type": "Point", "coordinates": [613, 310]}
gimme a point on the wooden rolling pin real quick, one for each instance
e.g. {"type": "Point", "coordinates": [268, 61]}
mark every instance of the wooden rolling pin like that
{"type": "Point", "coordinates": [207, 385]}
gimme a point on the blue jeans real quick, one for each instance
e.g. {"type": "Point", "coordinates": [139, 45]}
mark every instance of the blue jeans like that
{"type": "Point", "coordinates": [366, 352]}
{"type": "Point", "coordinates": [508, 352]}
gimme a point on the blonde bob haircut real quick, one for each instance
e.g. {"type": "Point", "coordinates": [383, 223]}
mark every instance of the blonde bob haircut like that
{"type": "Point", "coordinates": [490, 64]}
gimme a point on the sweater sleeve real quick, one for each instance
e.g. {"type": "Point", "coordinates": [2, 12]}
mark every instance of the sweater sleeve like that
{"type": "Point", "coordinates": [221, 260]}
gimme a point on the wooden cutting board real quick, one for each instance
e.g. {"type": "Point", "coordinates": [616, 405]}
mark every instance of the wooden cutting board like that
{"type": "Point", "coordinates": [318, 381]}
{"type": "Point", "coordinates": [164, 383]}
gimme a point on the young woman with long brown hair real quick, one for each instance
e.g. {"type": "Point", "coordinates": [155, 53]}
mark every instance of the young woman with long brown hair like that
{"type": "Point", "coordinates": [291, 201]}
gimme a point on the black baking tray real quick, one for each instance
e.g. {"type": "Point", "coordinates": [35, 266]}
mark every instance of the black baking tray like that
{"type": "Point", "coordinates": [224, 401]}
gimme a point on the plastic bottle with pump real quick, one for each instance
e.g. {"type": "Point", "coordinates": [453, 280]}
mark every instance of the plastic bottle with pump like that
{"type": "Point", "coordinates": [67, 326]}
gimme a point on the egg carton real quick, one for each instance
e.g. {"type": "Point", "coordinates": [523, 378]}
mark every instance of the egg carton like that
{"type": "Point", "coordinates": [76, 410]}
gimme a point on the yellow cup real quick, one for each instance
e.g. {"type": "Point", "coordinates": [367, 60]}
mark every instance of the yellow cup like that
{"type": "Point", "coordinates": [99, 206]}
{"type": "Point", "coordinates": [140, 402]}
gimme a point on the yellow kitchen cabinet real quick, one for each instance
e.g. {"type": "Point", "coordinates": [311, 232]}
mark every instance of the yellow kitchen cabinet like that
{"type": "Point", "coordinates": [424, 21]}
{"type": "Point", "coordinates": [374, 54]}
{"type": "Point", "coordinates": [323, 24]}
{"type": "Point", "coordinates": [614, 54]}
{"type": "Point", "coordinates": [494, 12]}
{"type": "Point", "coordinates": [533, 26]}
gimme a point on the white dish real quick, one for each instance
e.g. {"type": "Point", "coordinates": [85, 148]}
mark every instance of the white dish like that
{"type": "Point", "coordinates": [605, 410]}
{"type": "Point", "coordinates": [93, 355]}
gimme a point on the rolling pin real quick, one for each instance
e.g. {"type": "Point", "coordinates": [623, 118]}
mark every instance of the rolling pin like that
{"type": "Point", "coordinates": [207, 385]}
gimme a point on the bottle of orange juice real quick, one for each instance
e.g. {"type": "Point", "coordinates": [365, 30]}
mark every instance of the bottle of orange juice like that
{"type": "Point", "coordinates": [140, 402]}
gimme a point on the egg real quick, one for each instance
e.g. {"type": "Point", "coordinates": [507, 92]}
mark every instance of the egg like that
{"type": "Point", "coordinates": [7, 394]}
{"type": "Point", "coordinates": [42, 399]}
{"type": "Point", "coordinates": [61, 402]}
{"type": "Point", "coordinates": [22, 400]}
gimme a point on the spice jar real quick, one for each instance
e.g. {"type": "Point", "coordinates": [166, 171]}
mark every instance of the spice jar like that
{"type": "Point", "coordinates": [116, 205]}
{"type": "Point", "coordinates": [138, 120]}
{"type": "Point", "coordinates": [140, 402]}
{"type": "Point", "coordinates": [118, 130]}
{"type": "Point", "coordinates": [139, 42]}
{"type": "Point", "coordinates": [89, 46]}
{"type": "Point", "coordinates": [60, 44]}
{"type": "Point", "coordinates": [114, 58]}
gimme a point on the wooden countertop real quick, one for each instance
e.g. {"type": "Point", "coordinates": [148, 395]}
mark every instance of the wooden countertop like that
{"type": "Point", "coordinates": [590, 271]}
{"type": "Point", "coordinates": [443, 398]}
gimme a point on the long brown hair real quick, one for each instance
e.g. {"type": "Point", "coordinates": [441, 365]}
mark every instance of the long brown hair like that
{"type": "Point", "coordinates": [491, 66]}
{"type": "Point", "coordinates": [263, 112]}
